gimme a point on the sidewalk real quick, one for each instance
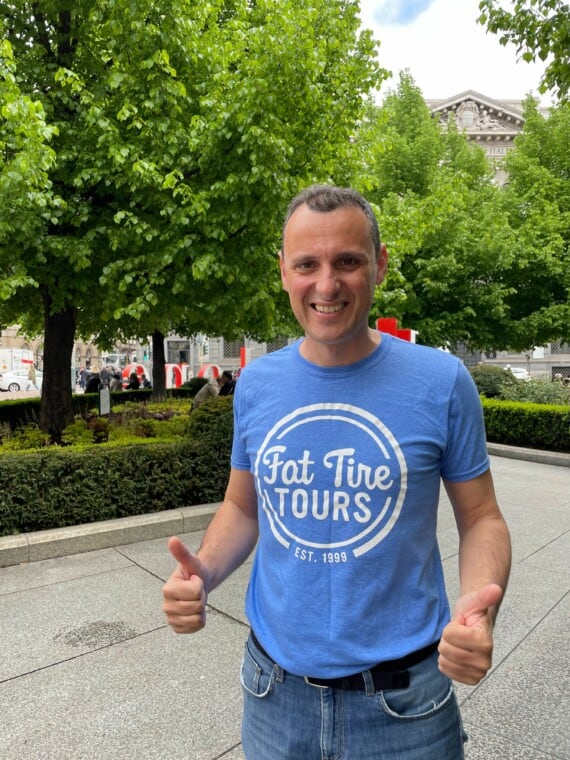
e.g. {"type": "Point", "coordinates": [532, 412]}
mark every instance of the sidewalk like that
{"type": "Point", "coordinates": [90, 670]}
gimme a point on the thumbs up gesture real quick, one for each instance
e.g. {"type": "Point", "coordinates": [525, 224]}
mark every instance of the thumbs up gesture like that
{"type": "Point", "coordinates": [185, 592]}
{"type": "Point", "coordinates": [466, 646]}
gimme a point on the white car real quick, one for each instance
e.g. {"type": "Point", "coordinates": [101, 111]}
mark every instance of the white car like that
{"type": "Point", "coordinates": [519, 372]}
{"type": "Point", "coordinates": [17, 380]}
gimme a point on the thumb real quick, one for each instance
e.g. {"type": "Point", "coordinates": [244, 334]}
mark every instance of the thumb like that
{"type": "Point", "coordinates": [189, 563]}
{"type": "Point", "coordinates": [473, 607]}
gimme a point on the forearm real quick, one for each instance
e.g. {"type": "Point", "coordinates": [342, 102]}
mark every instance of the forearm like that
{"type": "Point", "coordinates": [227, 543]}
{"type": "Point", "coordinates": [485, 556]}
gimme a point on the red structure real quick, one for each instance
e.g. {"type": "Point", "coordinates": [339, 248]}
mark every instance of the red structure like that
{"type": "Point", "coordinates": [390, 325]}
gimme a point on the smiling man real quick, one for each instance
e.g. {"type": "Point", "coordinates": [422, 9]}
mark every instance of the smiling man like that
{"type": "Point", "coordinates": [336, 479]}
{"type": "Point", "coordinates": [330, 270]}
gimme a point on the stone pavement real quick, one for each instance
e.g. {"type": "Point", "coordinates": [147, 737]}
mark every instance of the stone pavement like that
{"type": "Point", "coordinates": [90, 670]}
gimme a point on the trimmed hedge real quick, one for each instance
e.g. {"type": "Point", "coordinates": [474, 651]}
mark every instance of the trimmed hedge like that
{"type": "Point", "coordinates": [55, 487]}
{"type": "Point", "coordinates": [537, 426]}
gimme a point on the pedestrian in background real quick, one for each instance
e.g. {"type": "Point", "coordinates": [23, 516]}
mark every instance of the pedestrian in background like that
{"type": "Point", "coordinates": [226, 384]}
{"type": "Point", "coordinates": [133, 384]}
{"type": "Point", "coordinates": [32, 378]}
{"type": "Point", "coordinates": [116, 383]}
{"type": "Point", "coordinates": [208, 390]}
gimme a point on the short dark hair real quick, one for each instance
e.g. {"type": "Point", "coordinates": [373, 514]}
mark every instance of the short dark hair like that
{"type": "Point", "coordinates": [326, 198]}
{"type": "Point", "coordinates": [227, 374]}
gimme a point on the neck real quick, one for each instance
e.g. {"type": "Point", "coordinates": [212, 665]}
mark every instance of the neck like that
{"type": "Point", "coordinates": [339, 354]}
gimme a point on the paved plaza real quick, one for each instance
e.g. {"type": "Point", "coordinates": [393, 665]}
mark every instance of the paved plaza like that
{"type": "Point", "coordinates": [90, 671]}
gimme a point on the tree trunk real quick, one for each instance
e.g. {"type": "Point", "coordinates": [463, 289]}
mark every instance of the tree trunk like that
{"type": "Point", "coordinates": [158, 362]}
{"type": "Point", "coordinates": [56, 410]}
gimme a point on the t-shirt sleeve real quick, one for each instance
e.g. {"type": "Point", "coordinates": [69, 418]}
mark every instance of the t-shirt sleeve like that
{"type": "Point", "coordinates": [239, 458]}
{"type": "Point", "coordinates": [466, 454]}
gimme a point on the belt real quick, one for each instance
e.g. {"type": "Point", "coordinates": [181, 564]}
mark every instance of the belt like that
{"type": "Point", "coordinates": [392, 674]}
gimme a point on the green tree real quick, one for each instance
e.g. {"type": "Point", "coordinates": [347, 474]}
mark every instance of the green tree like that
{"type": "Point", "coordinates": [440, 214]}
{"type": "Point", "coordinates": [539, 29]}
{"type": "Point", "coordinates": [402, 143]}
{"type": "Point", "coordinates": [182, 129]}
{"type": "Point", "coordinates": [537, 199]}
{"type": "Point", "coordinates": [26, 197]}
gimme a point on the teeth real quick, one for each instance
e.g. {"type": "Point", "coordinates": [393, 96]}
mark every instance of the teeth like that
{"type": "Point", "coordinates": [328, 309]}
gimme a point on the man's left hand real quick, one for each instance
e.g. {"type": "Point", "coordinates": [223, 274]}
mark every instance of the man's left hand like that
{"type": "Point", "coordinates": [466, 646]}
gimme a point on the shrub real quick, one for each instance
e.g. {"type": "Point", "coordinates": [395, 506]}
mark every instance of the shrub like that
{"type": "Point", "coordinates": [77, 433]}
{"type": "Point", "coordinates": [537, 392]}
{"type": "Point", "coordinates": [490, 380]}
{"type": "Point", "coordinates": [211, 428]}
{"type": "Point", "coordinates": [99, 427]}
{"type": "Point", "coordinates": [540, 426]}
{"type": "Point", "coordinates": [86, 483]}
{"type": "Point", "coordinates": [24, 438]}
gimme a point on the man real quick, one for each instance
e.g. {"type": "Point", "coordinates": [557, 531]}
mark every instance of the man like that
{"type": "Point", "coordinates": [227, 384]}
{"type": "Point", "coordinates": [208, 390]}
{"type": "Point", "coordinates": [32, 377]}
{"type": "Point", "coordinates": [352, 648]}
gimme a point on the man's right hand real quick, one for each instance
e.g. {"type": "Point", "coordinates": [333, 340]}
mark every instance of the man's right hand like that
{"type": "Point", "coordinates": [185, 592]}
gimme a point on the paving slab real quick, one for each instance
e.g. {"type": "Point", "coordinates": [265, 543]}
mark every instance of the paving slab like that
{"type": "Point", "coordinates": [29, 575]}
{"type": "Point", "coordinates": [50, 624]}
{"type": "Point", "coordinates": [155, 696]}
{"type": "Point", "coordinates": [483, 745]}
{"type": "Point", "coordinates": [526, 700]}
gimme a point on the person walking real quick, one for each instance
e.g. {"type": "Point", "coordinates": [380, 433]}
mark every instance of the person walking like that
{"type": "Point", "coordinates": [335, 483]}
{"type": "Point", "coordinates": [32, 378]}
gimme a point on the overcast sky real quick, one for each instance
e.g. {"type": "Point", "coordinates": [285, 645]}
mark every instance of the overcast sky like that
{"type": "Point", "coordinates": [446, 50]}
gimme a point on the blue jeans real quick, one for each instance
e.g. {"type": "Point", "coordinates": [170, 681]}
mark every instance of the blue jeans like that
{"type": "Point", "coordinates": [285, 718]}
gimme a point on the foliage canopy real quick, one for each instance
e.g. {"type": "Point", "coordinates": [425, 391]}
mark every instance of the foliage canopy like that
{"type": "Point", "coordinates": [177, 131]}
{"type": "Point", "coordinates": [539, 29]}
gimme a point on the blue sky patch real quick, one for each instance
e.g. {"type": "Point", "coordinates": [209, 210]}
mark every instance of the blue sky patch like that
{"type": "Point", "coordinates": [400, 12]}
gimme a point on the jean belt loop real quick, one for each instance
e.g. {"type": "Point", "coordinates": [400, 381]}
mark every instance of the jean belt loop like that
{"type": "Point", "coordinates": [368, 683]}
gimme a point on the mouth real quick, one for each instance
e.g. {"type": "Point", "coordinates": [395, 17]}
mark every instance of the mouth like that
{"type": "Point", "coordinates": [333, 309]}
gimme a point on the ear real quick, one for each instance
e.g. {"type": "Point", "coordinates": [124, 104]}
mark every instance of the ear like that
{"type": "Point", "coordinates": [283, 271]}
{"type": "Point", "coordinates": [382, 264]}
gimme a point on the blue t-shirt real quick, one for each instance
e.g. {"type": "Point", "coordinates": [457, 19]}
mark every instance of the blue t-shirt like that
{"type": "Point", "coordinates": [347, 464]}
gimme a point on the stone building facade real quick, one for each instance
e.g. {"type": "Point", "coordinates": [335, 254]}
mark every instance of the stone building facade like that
{"type": "Point", "coordinates": [493, 124]}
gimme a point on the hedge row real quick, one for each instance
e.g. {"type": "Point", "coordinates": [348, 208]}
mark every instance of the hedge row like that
{"type": "Point", "coordinates": [537, 426]}
{"type": "Point", "coordinates": [54, 487]}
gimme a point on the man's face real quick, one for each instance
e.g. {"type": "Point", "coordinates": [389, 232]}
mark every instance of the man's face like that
{"type": "Point", "coordinates": [329, 269]}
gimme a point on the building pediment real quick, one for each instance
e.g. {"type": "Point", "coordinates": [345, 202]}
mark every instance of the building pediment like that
{"type": "Point", "coordinates": [480, 116]}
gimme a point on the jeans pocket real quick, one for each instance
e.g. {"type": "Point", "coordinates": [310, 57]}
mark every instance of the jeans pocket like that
{"type": "Point", "coordinates": [256, 678]}
{"type": "Point", "coordinates": [428, 693]}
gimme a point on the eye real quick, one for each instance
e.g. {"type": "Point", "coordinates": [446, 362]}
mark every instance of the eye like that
{"type": "Point", "coordinates": [304, 266]}
{"type": "Point", "coordinates": [349, 262]}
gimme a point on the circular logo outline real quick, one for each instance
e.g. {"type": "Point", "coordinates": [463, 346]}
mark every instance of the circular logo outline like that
{"type": "Point", "coordinates": [376, 429]}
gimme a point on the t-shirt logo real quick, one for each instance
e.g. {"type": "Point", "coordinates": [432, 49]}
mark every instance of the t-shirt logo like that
{"type": "Point", "coordinates": [332, 481]}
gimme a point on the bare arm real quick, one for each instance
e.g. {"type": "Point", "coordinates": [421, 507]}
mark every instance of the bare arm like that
{"type": "Point", "coordinates": [484, 564]}
{"type": "Point", "coordinates": [233, 532]}
{"type": "Point", "coordinates": [228, 541]}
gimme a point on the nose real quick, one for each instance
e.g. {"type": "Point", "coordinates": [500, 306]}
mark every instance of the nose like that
{"type": "Point", "coordinates": [327, 283]}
